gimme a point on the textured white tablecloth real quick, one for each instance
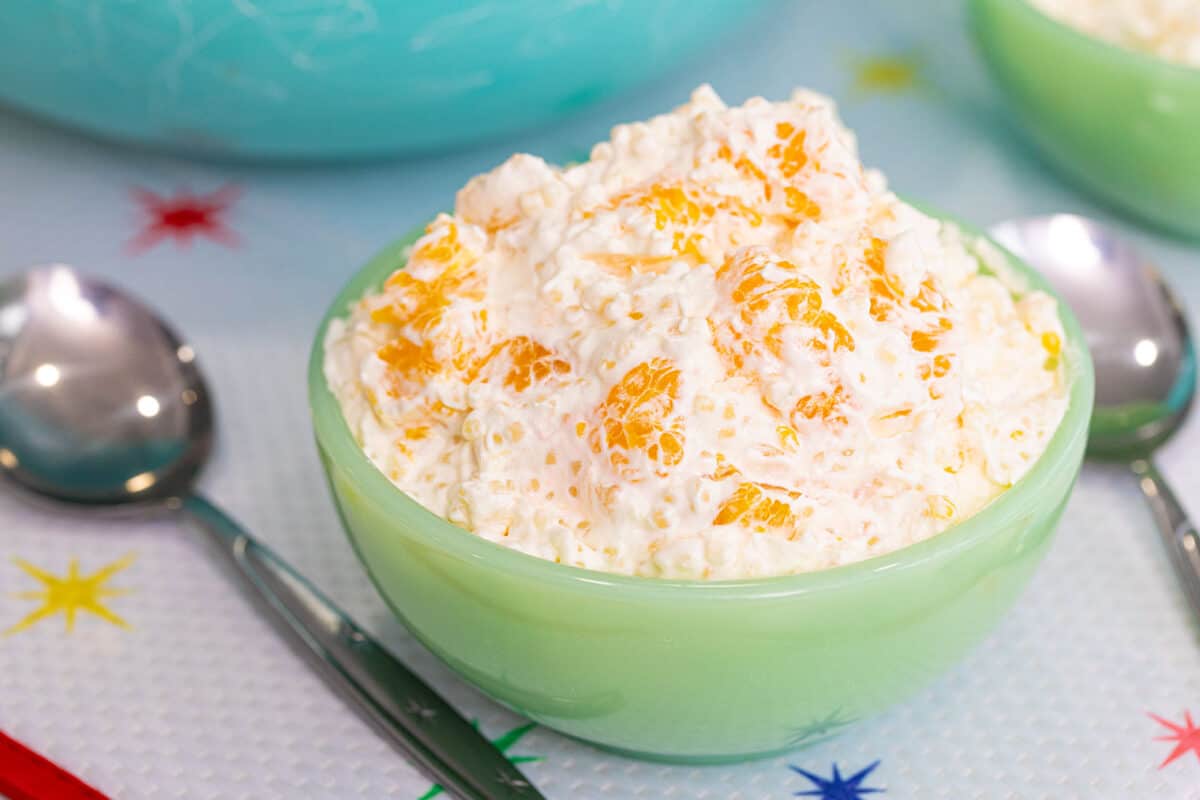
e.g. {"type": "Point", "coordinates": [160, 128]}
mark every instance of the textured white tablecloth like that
{"type": "Point", "coordinates": [198, 698]}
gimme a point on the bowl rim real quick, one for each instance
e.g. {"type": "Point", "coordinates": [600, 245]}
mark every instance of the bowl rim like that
{"type": "Point", "coordinates": [339, 446]}
{"type": "Point", "coordinates": [1143, 59]}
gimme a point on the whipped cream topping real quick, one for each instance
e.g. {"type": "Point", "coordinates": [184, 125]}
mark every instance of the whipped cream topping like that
{"type": "Point", "coordinates": [718, 349]}
{"type": "Point", "coordinates": [1169, 29]}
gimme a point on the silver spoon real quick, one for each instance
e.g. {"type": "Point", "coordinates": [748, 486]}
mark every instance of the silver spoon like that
{"type": "Point", "coordinates": [102, 405]}
{"type": "Point", "coordinates": [1145, 363]}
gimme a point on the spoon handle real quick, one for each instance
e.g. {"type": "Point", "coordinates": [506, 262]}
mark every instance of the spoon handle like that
{"type": "Point", "coordinates": [1178, 532]}
{"type": "Point", "coordinates": [407, 711]}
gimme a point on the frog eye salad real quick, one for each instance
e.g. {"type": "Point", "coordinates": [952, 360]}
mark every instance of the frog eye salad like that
{"type": "Point", "coordinates": [1169, 29]}
{"type": "Point", "coordinates": [718, 349]}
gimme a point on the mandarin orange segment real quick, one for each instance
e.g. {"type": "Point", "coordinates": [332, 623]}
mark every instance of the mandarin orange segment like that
{"type": "Point", "coordinates": [446, 250]}
{"type": "Point", "coordinates": [825, 406]}
{"type": "Point", "coordinates": [788, 439]}
{"type": "Point", "coordinates": [791, 299]}
{"type": "Point", "coordinates": [743, 499]}
{"type": "Point", "coordinates": [753, 507]}
{"type": "Point", "coordinates": [673, 206]}
{"type": "Point", "coordinates": [929, 298]}
{"type": "Point", "coordinates": [801, 204]}
{"type": "Point", "coordinates": [409, 360]}
{"type": "Point", "coordinates": [834, 332]}
{"type": "Point", "coordinates": [790, 151]}
{"type": "Point", "coordinates": [938, 368]}
{"type": "Point", "coordinates": [529, 362]}
{"type": "Point", "coordinates": [873, 257]}
{"type": "Point", "coordinates": [440, 409]}
{"type": "Point", "coordinates": [639, 415]}
{"type": "Point", "coordinates": [417, 306]}
{"type": "Point", "coordinates": [884, 287]}
{"type": "Point", "coordinates": [623, 265]}
{"type": "Point", "coordinates": [670, 205]}
{"type": "Point", "coordinates": [668, 450]}
{"type": "Point", "coordinates": [753, 293]}
{"type": "Point", "coordinates": [770, 296]}
{"type": "Point", "coordinates": [461, 358]}
{"type": "Point", "coordinates": [886, 292]}
{"type": "Point", "coordinates": [724, 469]}
{"type": "Point", "coordinates": [688, 246]}
{"type": "Point", "coordinates": [924, 341]}
{"type": "Point", "coordinates": [422, 304]}
{"type": "Point", "coordinates": [731, 205]}
{"type": "Point", "coordinates": [746, 168]}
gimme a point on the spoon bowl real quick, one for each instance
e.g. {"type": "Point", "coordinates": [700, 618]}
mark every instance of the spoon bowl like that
{"type": "Point", "coordinates": [140, 439]}
{"type": "Point", "coordinates": [102, 405]}
{"type": "Point", "coordinates": [1143, 354]}
{"type": "Point", "coordinates": [1135, 328]}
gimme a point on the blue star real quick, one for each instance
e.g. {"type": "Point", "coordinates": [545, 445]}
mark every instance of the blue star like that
{"type": "Point", "coordinates": [837, 787]}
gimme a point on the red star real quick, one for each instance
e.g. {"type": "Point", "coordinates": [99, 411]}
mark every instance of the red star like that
{"type": "Point", "coordinates": [184, 216]}
{"type": "Point", "coordinates": [1187, 737]}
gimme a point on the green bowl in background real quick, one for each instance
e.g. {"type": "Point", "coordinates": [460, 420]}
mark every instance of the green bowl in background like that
{"type": "Point", "coordinates": [1125, 125]}
{"type": "Point", "coordinates": [694, 671]}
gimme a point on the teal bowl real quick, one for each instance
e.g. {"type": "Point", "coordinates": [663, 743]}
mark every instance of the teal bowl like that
{"type": "Point", "coordinates": [694, 671]}
{"type": "Point", "coordinates": [1122, 124]}
{"type": "Point", "coordinates": [283, 80]}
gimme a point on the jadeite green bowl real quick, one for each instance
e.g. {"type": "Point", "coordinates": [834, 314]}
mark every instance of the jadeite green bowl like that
{"type": "Point", "coordinates": [1124, 125]}
{"type": "Point", "coordinates": [691, 670]}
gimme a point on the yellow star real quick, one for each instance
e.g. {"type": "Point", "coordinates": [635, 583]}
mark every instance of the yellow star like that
{"type": "Point", "coordinates": [71, 594]}
{"type": "Point", "coordinates": [886, 74]}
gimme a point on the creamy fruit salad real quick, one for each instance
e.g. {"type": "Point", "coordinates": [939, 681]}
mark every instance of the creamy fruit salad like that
{"type": "Point", "coordinates": [718, 349]}
{"type": "Point", "coordinates": [1169, 29]}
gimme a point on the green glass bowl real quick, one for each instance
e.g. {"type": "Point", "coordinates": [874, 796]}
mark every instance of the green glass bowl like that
{"type": "Point", "coordinates": [1124, 125]}
{"type": "Point", "coordinates": [692, 670]}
